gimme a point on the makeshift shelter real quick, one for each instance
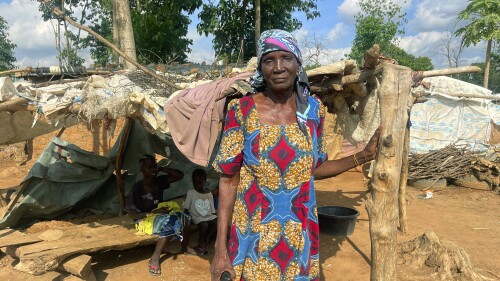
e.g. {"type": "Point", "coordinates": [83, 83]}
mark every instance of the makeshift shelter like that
{"type": "Point", "coordinates": [450, 115]}
{"type": "Point", "coordinates": [67, 182]}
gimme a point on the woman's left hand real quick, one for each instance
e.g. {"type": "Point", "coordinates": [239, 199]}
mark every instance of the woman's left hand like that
{"type": "Point", "coordinates": [370, 150]}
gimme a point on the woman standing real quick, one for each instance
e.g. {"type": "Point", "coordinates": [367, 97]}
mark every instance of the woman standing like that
{"type": "Point", "coordinates": [270, 154]}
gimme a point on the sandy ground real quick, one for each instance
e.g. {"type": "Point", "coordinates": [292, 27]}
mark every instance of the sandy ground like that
{"type": "Point", "coordinates": [469, 218]}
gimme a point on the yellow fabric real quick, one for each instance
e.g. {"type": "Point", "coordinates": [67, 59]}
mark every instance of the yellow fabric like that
{"type": "Point", "coordinates": [145, 226]}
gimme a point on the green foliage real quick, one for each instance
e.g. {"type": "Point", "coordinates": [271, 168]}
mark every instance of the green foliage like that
{"type": "Point", "coordinates": [160, 29]}
{"type": "Point", "coordinates": [483, 17]}
{"type": "Point", "coordinates": [7, 58]}
{"type": "Point", "coordinates": [403, 58]}
{"type": "Point", "coordinates": [96, 15]}
{"type": "Point", "coordinates": [379, 22]}
{"type": "Point", "coordinates": [74, 58]}
{"type": "Point", "coordinates": [477, 78]}
{"type": "Point", "coordinates": [222, 19]}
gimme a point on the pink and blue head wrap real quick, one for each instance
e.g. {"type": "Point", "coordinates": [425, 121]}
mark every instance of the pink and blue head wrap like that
{"type": "Point", "coordinates": [280, 40]}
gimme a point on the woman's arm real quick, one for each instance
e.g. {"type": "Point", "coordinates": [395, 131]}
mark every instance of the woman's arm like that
{"type": "Point", "coordinates": [173, 174]}
{"type": "Point", "coordinates": [227, 195]}
{"type": "Point", "coordinates": [331, 168]}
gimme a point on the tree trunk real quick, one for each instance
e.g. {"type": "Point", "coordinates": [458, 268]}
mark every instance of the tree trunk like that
{"type": "Point", "coordinates": [257, 25]}
{"type": "Point", "coordinates": [403, 183]}
{"type": "Point", "coordinates": [58, 44]}
{"type": "Point", "coordinates": [126, 32]}
{"type": "Point", "coordinates": [68, 49]}
{"type": "Point", "coordinates": [487, 65]}
{"type": "Point", "coordinates": [116, 38]}
{"type": "Point", "coordinates": [382, 202]}
{"type": "Point", "coordinates": [241, 39]}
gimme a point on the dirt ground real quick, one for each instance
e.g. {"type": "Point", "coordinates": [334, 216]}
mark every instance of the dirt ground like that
{"type": "Point", "coordinates": [469, 218]}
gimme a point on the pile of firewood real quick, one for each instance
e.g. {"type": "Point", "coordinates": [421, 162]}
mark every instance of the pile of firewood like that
{"type": "Point", "coordinates": [488, 171]}
{"type": "Point", "coordinates": [450, 162]}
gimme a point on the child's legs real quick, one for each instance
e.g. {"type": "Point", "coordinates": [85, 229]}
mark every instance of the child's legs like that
{"type": "Point", "coordinates": [212, 230]}
{"type": "Point", "coordinates": [203, 234]}
{"type": "Point", "coordinates": [186, 233]}
{"type": "Point", "coordinates": [158, 249]}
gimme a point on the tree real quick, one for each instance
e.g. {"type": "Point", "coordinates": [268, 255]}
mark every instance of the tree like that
{"type": "Point", "coordinates": [7, 58]}
{"type": "Point", "coordinates": [409, 60]}
{"type": "Point", "coordinates": [483, 17]}
{"type": "Point", "coordinates": [221, 20]}
{"type": "Point", "coordinates": [125, 31]}
{"type": "Point", "coordinates": [379, 22]}
{"type": "Point", "coordinates": [451, 47]}
{"type": "Point", "coordinates": [95, 14]}
{"type": "Point", "coordinates": [161, 28]}
{"type": "Point", "coordinates": [478, 78]}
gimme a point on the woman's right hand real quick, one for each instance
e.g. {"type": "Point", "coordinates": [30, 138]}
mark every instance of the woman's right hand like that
{"type": "Point", "coordinates": [221, 263]}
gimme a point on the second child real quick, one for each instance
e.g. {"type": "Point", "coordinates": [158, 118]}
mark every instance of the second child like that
{"type": "Point", "coordinates": [199, 204]}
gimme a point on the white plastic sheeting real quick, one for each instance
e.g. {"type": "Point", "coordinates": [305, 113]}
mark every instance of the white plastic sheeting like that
{"type": "Point", "coordinates": [445, 119]}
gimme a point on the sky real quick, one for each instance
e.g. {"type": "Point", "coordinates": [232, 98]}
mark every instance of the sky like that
{"type": "Point", "coordinates": [428, 22]}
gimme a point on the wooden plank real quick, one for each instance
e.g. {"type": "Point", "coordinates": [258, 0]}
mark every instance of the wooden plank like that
{"type": "Point", "coordinates": [79, 265]}
{"type": "Point", "coordinates": [94, 237]}
{"type": "Point", "coordinates": [12, 237]}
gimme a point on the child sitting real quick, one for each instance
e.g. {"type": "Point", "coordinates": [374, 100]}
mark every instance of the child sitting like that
{"type": "Point", "coordinates": [199, 204]}
{"type": "Point", "coordinates": [152, 215]}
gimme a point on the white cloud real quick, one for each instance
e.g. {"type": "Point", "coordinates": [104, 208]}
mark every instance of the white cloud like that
{"type": "Point", "coordinates": [436, 15]}
{"type": "Point", "coordinates": [349, 8]}
{"type": "Point", "coordinates": [301, 35]}
{"type": "Point", "coordinates": [201, 49]}
{"type": "Point", "coordinates": [324, 56]}
{"type": "Point", "coordinates": [338, 31]}
{"type": "Point", "coordinates": [427, 44]}
{"type": "Point", "coordinates": [34, 37]}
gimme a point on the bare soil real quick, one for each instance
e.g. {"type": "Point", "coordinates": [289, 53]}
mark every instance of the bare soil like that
{"type": "Point", "coordinates": [469, 218]}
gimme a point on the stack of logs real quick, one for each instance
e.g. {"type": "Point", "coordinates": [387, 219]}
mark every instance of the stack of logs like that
{"type": "Point", "coordinates": [454, 162]}
{"type": "Point", "coordinates": [450, 162]}
{"type": "Point", "coordinates": [488, 171]}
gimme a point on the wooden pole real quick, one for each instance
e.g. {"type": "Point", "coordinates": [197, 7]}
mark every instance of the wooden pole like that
{"type": "Point", "coordinates": [12, 104]}
{"type": "Point", "coordinates": [61, 131]}
{"type": "Point", "coordinates": [451, 71]}
{"type": "Point", "coordinates": [119, 158]}
{"type": "Point", "coordinates": [58, 13]}
{"type": "Point", "coordinates": [19, 192]}
{"type": "Point", "coordinates": [403, 183]}
{"type": "Point", "coordinates": [492, 97]}
{"type": "Point", "coordinates": [14, 71]}
{"type": "Point", "coordinates": [382, 202]}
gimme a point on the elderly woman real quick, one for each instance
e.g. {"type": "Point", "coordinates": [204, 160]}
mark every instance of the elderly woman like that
{"type": "Point", "coordinates": [270, 154]}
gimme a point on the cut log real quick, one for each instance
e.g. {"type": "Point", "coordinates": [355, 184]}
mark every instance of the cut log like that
{"type": "Point", "coordinates": [89, 238]}
{"type": "Point", "coordinates": [11, 237]}
{"type": "Point", "coordinates": [79, 265]}
{"type": "Point", "coordinates": [382, 202]}
{"type": "Point", "coordinates": [442, 260]}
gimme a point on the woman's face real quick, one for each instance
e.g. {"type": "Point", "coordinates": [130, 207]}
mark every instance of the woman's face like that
{"type": "Point", "coordinates": [280, 70]}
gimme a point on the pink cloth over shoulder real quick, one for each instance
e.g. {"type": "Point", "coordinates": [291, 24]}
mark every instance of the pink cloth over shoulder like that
{"type": "Point", "coordinates": [193, 118]}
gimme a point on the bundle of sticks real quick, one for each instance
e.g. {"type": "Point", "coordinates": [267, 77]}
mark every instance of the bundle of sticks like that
{"type": "Point", "coordinates": [450, 162]}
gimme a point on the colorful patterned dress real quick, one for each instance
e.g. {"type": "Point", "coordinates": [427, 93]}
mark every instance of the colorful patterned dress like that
{"type": "Point", "coordinates": [274, 233]}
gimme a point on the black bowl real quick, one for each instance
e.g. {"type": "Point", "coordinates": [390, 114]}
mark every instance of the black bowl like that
{"type": "Point", "coordinates": [337, 221]}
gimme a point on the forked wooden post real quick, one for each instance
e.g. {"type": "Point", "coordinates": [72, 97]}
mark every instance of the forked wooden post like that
{"type": "Point", "coordinates": [382, 202]}
{"type": "Point", "coordinates": [119, 163]}
{"type": "Point", "coordinates": [403, 183]}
